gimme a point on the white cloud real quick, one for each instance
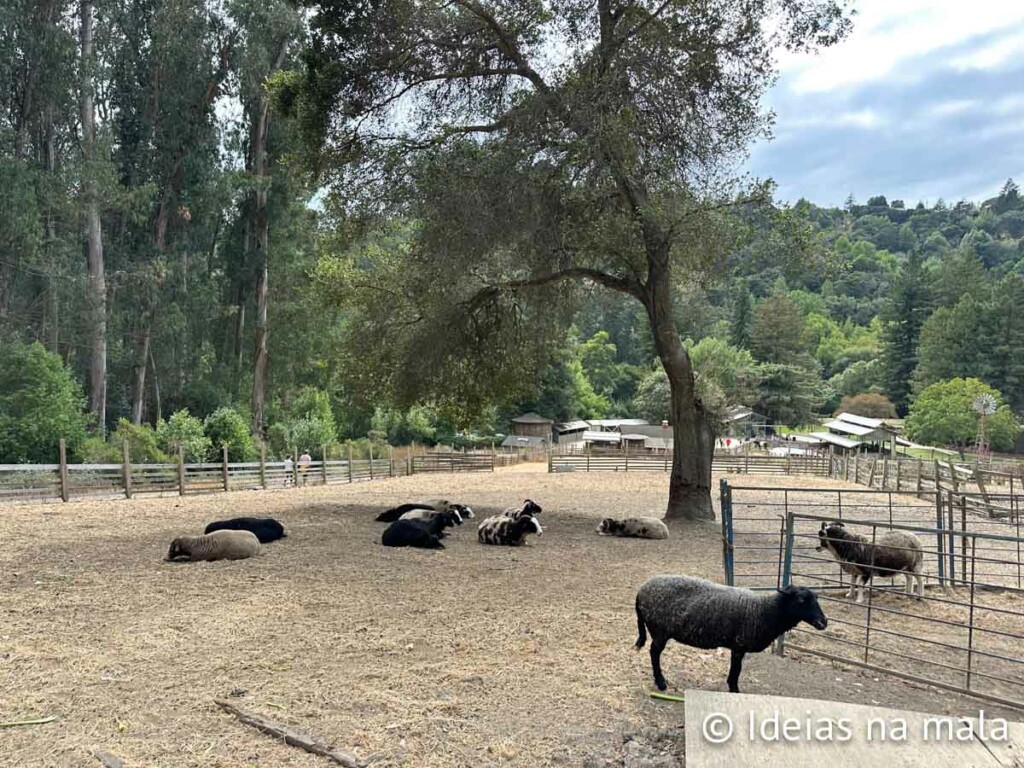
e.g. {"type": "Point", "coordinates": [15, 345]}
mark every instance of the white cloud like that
{"type": "Point", "coordinates": [888, 34]}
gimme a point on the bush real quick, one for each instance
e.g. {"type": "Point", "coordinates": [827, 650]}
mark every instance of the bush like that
{"type": "Point", "coordinates": [142, 443]}
{"type": "Point", "coordinates": [870, 404]}
{"type": "Point", "coordinates": [226, 426]}
{"type": "Point", "coordinates": [40, 403]}
{"type": "Point", "coordinates": [943, 414]}
{"type": "Point", "coordinates": [185, 431]}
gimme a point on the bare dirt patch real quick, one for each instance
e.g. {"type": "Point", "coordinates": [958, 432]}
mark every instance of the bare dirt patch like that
{"type": "Point", "coordinates": [475, 656]}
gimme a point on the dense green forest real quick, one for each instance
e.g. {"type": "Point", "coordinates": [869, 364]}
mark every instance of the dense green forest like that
{"type": "Point", "coordinates": [165, 248]}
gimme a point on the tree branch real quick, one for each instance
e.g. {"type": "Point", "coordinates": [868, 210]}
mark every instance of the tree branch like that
{"type": "Point", "coordinates": [621, 284]}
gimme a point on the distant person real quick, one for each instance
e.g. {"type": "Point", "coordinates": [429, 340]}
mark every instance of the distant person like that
{"type": "Point", "coordinates": [288, 469]}
{"type": "Point", "coordinates": [304, 461]}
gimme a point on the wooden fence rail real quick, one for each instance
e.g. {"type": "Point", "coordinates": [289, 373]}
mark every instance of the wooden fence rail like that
{"type": "Point", "coordinates": [63, 481]}
{"type": "Point", "coordinates": [645, 462]}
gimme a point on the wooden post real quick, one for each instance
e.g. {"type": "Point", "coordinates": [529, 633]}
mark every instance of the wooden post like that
{"type": "Point", "coordinates": [62, 450]}
{"type": "Point", "coordinates": [295, 468]}
{"type": "Point", "coordinates": [885, 474]}
{"type": "Point", "coordinates": [391, 459]}
{"type": "Point", "coordinates": [898, 473]}
{"type": "Point", "coordinates": [920, 471]}
{"type": "Point", "coordinates": [323, 464]}
{"type": "Point", "coordinates": [589, 445]}
{"type": "Point", "coordinates": [224, 465]}
{"type": "Point", "coordinates": [263, 465]}
{"type": "Point", "coordinates": [181, 470]}
{"type": "Point", "coordinates": [126, 470]}
{"type": "Point", "coordinates": [550, 461]}
{"type": "Point", "coordinates": [350, 462]}
{"type": "Point", "coordinates": [371, 460]}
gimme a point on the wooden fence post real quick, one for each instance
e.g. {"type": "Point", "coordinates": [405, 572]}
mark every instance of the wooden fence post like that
{"type": "Point", "coordinates": [920, 472]}
{"type": "Point", "coordinates": [295, 468]}
{"type": "Point", "coordinates": [181, 470]}
{"type": "Point", "coordinates": [391, 459]}
{"type": "Point", "coordinates": [371, 460]}
{"type": "Point", "coordinates": [126, 470]}
{"type": "Point", "coordinates": [323, 464]}
{"type": "Point", "coordinates": [63, 455]}
{"type": "Point", "coordinates": [898, 473]}
{"type": "Point", "coordinates": [263, 465]}
{"type": "Point", "coordinates": [224, 464]}
{"type": "Point", "coordinates": [350, 462]}
{"type": "Point", "coordinates": [885, 474]}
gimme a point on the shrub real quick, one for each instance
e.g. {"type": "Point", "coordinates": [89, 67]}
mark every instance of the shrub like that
{"type": "Point", "coordinates": [943, 414]}
{"type": "Point", "coordinates": [185, 431]}
{"type": "Point", "coordinates": [40, 403]}
{"type": "Point", "coordinates": [869, 404]}
{"type": "Point", "coordinates": [226, 426]}
{"type": "Point", "coordinates": [141, 440]}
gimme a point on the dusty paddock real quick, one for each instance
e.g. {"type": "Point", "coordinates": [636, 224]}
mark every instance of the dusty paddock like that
{"type": "Point", "coordinates": [475, 656]}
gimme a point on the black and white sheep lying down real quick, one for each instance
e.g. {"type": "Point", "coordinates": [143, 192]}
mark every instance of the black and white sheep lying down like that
{"type": "Point", "coordinates": [390, 515]}
{"type": "Point", "coordinates": [702, 614]}
{"type": "Point", "coordinates": [507, 531]}
{"type": "Point", "coordinates": [424, 534]}
{"type": "Point", "coordinates": [634, 527]}
{"type": "Point", "coordinates": [266, 529]}
{"type": "Point", "coordinates": [526, 509]}
{"type": "Point", "coordinates": [219, 545]}
{"type": "Point", "coordinates": [892, 552]}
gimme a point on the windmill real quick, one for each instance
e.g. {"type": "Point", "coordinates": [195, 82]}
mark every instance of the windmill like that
{"type": "Point", "coordinates": [985, 405]}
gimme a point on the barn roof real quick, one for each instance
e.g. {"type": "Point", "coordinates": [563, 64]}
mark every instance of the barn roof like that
{"type": "Point", "coordinates": [842, 442]}
{"type": "Point", "coordinates": [591, 436]}
{"type": "Point", "coordinates": [524, 441]}
{"type": "Point", "coordinates": [531, 418]}
{"type": "Point", "coordinates": [572, 426]}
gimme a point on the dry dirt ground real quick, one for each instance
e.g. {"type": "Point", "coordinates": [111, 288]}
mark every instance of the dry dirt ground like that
{"type": "Point", "coordinates": [475, 656]}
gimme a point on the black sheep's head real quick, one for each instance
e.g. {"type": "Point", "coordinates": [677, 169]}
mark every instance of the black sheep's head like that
{"type": "Point", "coordinates": [464, 511]}
{"type": "Point", "coordinates": [801, 604]}
{"type": "Point", "coordinates": [531, 508]}
{"type": "Point", "coordinates": [177, 550]}
{"type": "Point", "coordinates": [609, 525]}
{"type": "Point", "coordinates": [528, 524]}
{"type": "Point", "coordinates": [827, 533]}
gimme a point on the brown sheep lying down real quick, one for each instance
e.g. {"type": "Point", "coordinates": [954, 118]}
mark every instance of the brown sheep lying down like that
{"type": "Point", "coordinates": [219, 545]}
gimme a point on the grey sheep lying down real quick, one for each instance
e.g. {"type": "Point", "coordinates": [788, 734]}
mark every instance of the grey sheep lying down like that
{"type": "Point", "coordinates": [702, 614]}
{"type": "Point", "coordinates": [219, 545]}
{"type": "Point", "coordinates": [634, 527]}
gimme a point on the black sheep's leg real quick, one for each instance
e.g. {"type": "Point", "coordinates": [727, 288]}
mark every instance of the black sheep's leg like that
{"type": "Point", "coordinates": [735, 667]}
{"type": "Point", "coordinates": [657, 646]}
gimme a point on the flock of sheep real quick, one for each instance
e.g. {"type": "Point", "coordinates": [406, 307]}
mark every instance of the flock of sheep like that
{"type": "Point", "coordinates": [691, 611]}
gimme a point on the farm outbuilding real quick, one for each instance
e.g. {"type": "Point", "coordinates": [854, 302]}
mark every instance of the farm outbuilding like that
{"type": "Point", "coordinates": [742, 421]}
{"type": "Point", "coordinates": [570, 431]}
{"type": "Point", "coordinates": [532, 425]}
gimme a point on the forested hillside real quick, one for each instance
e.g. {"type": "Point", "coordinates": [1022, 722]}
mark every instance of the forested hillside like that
{"type": "Point", "coordinates": [162, 235]}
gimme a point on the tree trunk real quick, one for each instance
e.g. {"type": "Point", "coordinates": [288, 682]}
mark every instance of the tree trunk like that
{"type": "Point", "coordinates": [689, 496]}
{"type": "Point", "coordinates": [97, 285]}
{"type": "Point", "coordinates": [144, 339]}
{"type": "Point", "coordinates": [260, 232]}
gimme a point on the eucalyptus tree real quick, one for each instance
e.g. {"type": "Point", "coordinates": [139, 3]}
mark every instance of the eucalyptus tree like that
{"type": "Point", "coordinates": [549, 143]}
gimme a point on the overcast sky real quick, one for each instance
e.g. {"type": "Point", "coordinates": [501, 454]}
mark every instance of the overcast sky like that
{"type": "Point", "coordinates": [925, 99]}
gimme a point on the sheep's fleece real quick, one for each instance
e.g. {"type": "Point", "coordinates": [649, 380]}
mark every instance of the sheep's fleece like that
{"type": "Point", "coordinates": [219, 545]}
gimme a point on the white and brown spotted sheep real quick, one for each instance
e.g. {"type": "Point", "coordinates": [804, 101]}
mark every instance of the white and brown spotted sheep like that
{"type": "Point", "coordinates": [507, 531]}
{"type": "Point", "coordinates": [634, 527]}
{"type": "Point", "coordinates": [219, 545]}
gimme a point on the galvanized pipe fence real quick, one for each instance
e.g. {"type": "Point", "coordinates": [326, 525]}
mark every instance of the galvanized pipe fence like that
{"type": "Point", "coordinates": [965, 633]}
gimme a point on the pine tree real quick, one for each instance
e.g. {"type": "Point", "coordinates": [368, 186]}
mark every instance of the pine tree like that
{"type": "Point", "coordinates": [742, 318]}
{"type": "Point", "coordinates": [906, 309]}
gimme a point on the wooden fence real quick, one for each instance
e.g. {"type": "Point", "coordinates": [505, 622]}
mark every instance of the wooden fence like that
{"type": "Point", "coordinates": [990, 492]}
{"type": "Point", "coordinates": [607, 461]}
{"type": "Point", "coordinates": [64, 481]}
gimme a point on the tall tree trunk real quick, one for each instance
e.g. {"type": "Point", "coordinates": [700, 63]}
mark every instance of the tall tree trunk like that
{"type": "Point", "coordinates": [145, 334]}
{"type": "Point", "coordinates": [260, 235]}
{"type": "Point", "coordinates": [97, 286]}
{"type": "Point", "coordinates": [156, 387]}
{"type": "Point", "coordinates": [689, 496]}
{"type": "Point", "coordinates": [53, 296]}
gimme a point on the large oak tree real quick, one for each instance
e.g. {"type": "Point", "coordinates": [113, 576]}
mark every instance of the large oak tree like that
{"type": "Point", "coordinates": [547, 144]}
